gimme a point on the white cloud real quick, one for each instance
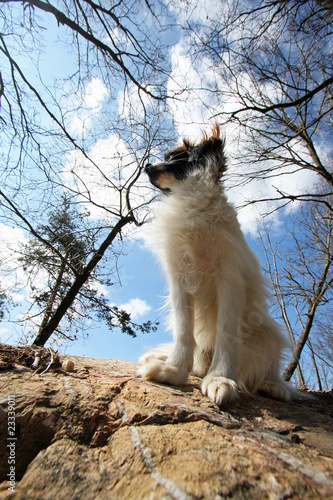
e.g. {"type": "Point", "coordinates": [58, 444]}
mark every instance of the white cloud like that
{"type": "Point", "coordinates": [132, 103]}
{"type": "Point", "coordinates": [293, 182]}
{"type": "Point", "coordinates": [194, 104]}
{"type": "Point", "coordinates": [136, 308]}
{"type": "Point", "coordinates": [86, 105]}
{"type": "Point", "coordinates": [192, 111]}
{"type": "Point", "coordinates": [94, 93]}
{"type": "Point", "coordinates": [12, 275]}
{"type": "Point", "coordinates": [195, 10]}
{"type": "Point", "coordinates": [11, 238]}
{"type": "Point", "coordinates": [102, 178]}
{"type": "Point", "coordinates": [100, 288]}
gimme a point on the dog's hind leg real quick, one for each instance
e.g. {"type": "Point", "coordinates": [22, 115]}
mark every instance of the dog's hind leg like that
{"type": "Point", "coordinates": [264, 347]}
{"type": "Point", "coordinates": [175, 369]}
{"type": "Point", "coordinates": [273, 385]}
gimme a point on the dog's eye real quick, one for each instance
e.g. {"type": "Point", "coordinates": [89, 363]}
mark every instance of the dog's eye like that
{"type": "Point", "coordinates": [171, 155]}
{"type": "Point", "coordinates": [176, 155]}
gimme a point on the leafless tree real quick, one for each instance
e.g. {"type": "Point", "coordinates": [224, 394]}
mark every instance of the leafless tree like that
{"type": "Point", "coordinates": [82, 89]}
{"type": "Point", "coordinates": [270, 79]}
{"type": "Point", "coordinates": [302, 278]}
{"type": "Point", "coordinates": [273, 65]}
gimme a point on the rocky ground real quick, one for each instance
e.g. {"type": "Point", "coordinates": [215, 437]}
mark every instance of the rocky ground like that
{"type": "Point", "coordinates": [100, 432]}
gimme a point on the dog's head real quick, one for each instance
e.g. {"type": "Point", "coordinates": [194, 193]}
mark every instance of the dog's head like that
{"type": "Point", "coordinates": [179, 163]}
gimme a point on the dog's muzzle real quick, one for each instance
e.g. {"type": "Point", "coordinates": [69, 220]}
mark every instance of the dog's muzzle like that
{"type": "Point", "coordinates": [148, 168]}
{"type": "Point", "coordinates": [153, 171]}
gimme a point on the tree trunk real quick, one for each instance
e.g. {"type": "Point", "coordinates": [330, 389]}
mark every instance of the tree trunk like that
{"type": "Point", "coordinates": [315, 366]}
{"type": "Point", "coordinates": [322, 286]}
{"type": "Point", "coordinates": [45, 333]}
{"type": "Point", "coordinates": [50, 303]}
{"type": "Point", "coordinates": [289, 371]}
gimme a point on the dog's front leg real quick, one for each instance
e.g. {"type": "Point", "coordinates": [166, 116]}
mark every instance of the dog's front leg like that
{"type": "Point", "coordinates": [220, 384]}
{"type": "Point", "coordinates": [176, 368]}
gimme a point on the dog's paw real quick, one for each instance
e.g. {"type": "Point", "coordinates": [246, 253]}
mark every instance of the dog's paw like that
{"type": "Point", "coordinates": [151, 356]}
{"type": "Point", "coordinates": [220, 389]}
{"type": "Point", "coordinates": [278, 390]}
{"type": "Point", "coordinates": [158, 370]}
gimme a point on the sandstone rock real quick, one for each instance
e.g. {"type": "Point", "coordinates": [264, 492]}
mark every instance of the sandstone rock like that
{"type": "Point", "coordinates": [100, 432]}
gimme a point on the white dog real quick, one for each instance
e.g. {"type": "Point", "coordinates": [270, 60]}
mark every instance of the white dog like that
{"type": "Point", "coordinates": [222, 329]}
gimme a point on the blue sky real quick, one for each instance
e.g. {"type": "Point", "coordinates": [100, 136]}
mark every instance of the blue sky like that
{"type": "Point", "coordinates": [142, 279]}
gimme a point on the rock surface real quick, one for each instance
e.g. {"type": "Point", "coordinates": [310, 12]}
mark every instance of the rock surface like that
{"type": "Point", "coordinates": [99, 432]}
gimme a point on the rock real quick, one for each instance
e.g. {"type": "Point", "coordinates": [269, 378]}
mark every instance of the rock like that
{"type": "Point", "coordinates": [68, 365]}
{"type": "Point", "coordinates": [101, 432]}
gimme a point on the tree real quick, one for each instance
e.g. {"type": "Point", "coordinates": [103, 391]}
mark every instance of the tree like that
{"type": "Point", "coordinates": [272, 62]}
{"type": "Point", "coordinates": [302, 278]}
{"type": "Point", "coordinates": [4, 302]}
{"type": "Point", "coordinates": [53, 275]}
{"type": "Point", "coordinates": [81, 129]}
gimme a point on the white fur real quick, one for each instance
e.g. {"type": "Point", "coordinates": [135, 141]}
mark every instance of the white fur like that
{"type": "Point", "coordinates": [222, 329]}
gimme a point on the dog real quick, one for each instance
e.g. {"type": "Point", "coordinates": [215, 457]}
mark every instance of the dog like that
{"type": "Point", "coordinates": [222, 328]}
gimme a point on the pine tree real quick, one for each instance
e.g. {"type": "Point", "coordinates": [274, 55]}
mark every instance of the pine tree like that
{"type": "Point", "coordinates": [63, 278]}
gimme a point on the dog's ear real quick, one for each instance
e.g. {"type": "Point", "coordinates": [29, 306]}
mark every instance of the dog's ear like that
{"type": "Point", "coordinates": [222, 161]}
{"type": "Point", "coordinates": [215, 133]}
{"type": "Point", "coordinates": [187, 145]}
{"type": "Point", "coordinates": [215, 146]}
{"type": "Point", "coordinates": [211, 148]}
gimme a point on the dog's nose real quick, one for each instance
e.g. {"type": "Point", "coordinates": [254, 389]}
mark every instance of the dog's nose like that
{"type": "Point", "coordinates": [148, 168]}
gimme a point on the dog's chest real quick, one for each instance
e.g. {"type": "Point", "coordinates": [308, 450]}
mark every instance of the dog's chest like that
{"type": "Point", "coordinates": [195, 242]}
{"type": "Point", "coordinates": [193, 255]}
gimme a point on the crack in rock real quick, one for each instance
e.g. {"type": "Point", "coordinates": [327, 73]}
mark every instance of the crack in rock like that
{"type": "Point", "coordinates": [310, 472]}
{"type": "Point", "coordinates": [176, 413]}
{"type": "Point", "coordinates": [174, 490]}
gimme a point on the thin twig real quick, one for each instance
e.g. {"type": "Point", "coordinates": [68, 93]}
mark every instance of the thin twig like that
{"type": "Point", "coordinates": [50, 363]}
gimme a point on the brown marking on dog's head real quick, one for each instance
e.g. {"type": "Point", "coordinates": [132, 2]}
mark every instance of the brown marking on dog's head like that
{"type": "Point", "coordinates": [213, 146]}
{"type": "Point", "coordinates": [189, 157]}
